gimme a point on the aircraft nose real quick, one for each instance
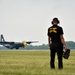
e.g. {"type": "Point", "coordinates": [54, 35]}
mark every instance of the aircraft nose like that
{"type": "Point", "coordinates": [24, 43]}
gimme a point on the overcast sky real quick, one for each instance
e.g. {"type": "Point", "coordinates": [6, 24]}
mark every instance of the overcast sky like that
{"type": "Point", "coordinates": [27, 20]}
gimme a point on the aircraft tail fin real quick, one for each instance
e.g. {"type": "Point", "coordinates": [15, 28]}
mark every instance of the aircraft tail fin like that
{"type": "Point", "coordinates": [2, 38]}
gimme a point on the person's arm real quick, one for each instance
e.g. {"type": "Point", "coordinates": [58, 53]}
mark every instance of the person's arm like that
{"type": "Point", "coordinates": [49, 41]}
{"type": "Point", "coordinates": [63, 41]}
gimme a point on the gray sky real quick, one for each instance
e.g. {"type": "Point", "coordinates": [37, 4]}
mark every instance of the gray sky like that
{"type": "Point", "coordinates": [27, 20]}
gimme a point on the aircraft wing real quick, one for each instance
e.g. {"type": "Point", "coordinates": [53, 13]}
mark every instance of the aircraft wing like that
{"type": "Point", "coordinates": [7, 43]}
{"type": "Point", "coordinates": [29, 42]}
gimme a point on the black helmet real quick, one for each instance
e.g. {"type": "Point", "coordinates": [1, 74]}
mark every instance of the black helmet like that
{"type": "Point", "coordinates": [55, 20]}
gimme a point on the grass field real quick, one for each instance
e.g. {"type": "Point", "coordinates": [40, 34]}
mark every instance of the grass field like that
{"type": "Point", "coordinates": [35, 62]}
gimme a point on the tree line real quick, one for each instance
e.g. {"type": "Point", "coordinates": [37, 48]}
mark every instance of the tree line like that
{"type": "Point", "coordinates": [70, 45]}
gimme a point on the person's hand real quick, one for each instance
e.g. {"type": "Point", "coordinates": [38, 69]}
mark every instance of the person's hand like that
{"type": "Point", "coordinates": [49, 46]}
{"type": "Point", "coordinates": [65, 47]}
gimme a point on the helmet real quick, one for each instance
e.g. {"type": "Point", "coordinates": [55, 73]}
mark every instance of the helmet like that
{"type": "Point", "coordinates": [66, 54]}
{"type": "Point", "coordinates": [55, 20]}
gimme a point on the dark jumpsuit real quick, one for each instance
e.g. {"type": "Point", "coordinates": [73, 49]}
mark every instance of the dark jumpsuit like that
{"type": "Point", "coordinates": [56, 45]}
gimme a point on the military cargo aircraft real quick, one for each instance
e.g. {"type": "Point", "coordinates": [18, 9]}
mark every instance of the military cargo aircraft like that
{"type": "Point", "coordinates": [14, 45]}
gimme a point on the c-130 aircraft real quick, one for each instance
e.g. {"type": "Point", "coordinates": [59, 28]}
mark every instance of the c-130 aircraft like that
{"type": "Point", "coordinates": [14, 45]}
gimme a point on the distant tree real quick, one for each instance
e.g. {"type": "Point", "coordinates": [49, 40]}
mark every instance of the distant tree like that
{"type": "Point", "coordinates": [70, 45]}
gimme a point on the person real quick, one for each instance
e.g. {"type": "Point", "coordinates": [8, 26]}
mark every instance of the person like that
{"type": "Point", "coordinates": [56, 43]}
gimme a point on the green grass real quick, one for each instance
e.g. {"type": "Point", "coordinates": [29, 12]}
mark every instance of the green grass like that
{"type": "Point", "coordinates": [15, 62]}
